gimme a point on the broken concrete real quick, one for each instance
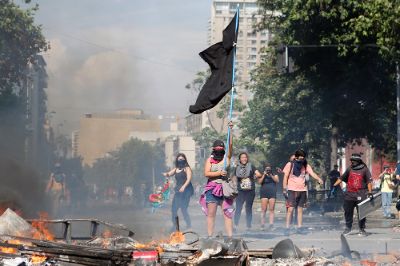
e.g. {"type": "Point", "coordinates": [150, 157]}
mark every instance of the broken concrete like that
{"type": "Point", "coordinates": [12, 224]}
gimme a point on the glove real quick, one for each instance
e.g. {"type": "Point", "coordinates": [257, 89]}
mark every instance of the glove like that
{"type": "Point", "coordinates": [370, 196]}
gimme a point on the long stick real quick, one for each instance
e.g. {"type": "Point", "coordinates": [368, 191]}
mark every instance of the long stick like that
{"type": "Point", "coordinates": [233, 85]}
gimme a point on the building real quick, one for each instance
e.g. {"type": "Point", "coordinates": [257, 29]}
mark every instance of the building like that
{"type": "Point", "coordinates": [75, 143]}
{"type": "Point", "coordinates": [100, 134]}
{"type": "Point", "coordinates": [180, 144]}
{"type": "Point", "coordinates": [250, 42]}
{"type": "Point", "coordinates": [248, 55]}
{"type": "Point", "coordinates": [37, 147]}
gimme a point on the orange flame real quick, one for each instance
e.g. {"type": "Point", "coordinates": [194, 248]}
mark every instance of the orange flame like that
{"type": "Point", "coordinates": [38, 259]}
{"type": "Point", "coordinates": [175, 238]}
{"type": "Point", "coordinates": [42, 233]}
{"type": "Point", "coordinates": [10, 250]}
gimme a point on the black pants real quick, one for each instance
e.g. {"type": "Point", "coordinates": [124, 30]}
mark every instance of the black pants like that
{"type": "Point", "coordinates": [248, 198]}
{"type": "Point", "coordinates": [181, 201]}
{"type": "Point", "coordinates": [348, 206]}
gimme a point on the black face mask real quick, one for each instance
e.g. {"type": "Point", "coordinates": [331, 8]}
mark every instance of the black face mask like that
{"type": "Point", "coordinates": [218, 154]}
{"type": "Point", "coordinates": [181, 164]}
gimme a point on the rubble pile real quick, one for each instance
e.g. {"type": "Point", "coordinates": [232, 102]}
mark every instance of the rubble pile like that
{"type": "Point", "coordinates": [32, 243]}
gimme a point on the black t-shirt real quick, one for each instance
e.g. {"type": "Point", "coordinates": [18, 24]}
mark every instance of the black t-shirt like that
{"type": "Point", "coordinates": [357, 181]}
{"type": "Point", "coordinates": [247, 183]}
{"type": "Point", "coordinates": [334, 174]}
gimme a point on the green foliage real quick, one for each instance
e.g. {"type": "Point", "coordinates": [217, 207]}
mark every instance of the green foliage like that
{"type": "Point", "coordinates": [20, 41]}
{"type": "Point", "coordinates": [349, 86]}
{"type": "Point", "coordinates": [131, 165]}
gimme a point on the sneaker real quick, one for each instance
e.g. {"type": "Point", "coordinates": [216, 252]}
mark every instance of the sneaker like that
{"type": "Point", "coordinates": [346, 231]}
{"type": "Point", "coordinates": [301, 231]}
{"type": "Point", "coordinates": [235, 229]}
{"type": "Point", "coordinates": [270, 227]}
{"type": "Point", "coordinates": [362, 232]}
{"type": "Point", "coordinates": [286, 232]}
{"type": "Point", "coordinates": [262, 227]}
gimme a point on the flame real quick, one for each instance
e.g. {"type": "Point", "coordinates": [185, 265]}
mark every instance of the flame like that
{"type": "Point", "coordinates": [10, 250]}
{"type": "Point", "coordinates": [107, 234]}
{"type": "Point", "coordinates": [38, 259]}
{"type": "Point", "coordinates": [42, 233]}
{"type": "Point", "coordinates": [174, 239]}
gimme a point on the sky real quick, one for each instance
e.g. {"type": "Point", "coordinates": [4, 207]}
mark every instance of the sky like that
{"type": "Point", "coordinates": [111, 54]}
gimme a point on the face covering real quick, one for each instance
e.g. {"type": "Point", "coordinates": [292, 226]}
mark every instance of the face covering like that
{"type": "Point", "coordinates": [356, 165]}
{"type": "Point", "coordinates": [297, 165]}
{"type": "Point", "coordinates": [218, 155]}
{"type": "Point", "coordinates": [181, 164]}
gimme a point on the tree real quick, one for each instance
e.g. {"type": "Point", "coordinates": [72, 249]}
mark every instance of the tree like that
{"type": "Point", "coordinates": [131, 165]}
{"type": "Point", "coordinates": [341, 84]}
{"type": "Point", "coordinates": [20, 41]}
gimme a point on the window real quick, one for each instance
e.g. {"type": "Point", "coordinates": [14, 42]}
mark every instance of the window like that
{"type": "Point", "coordinates": [251, 65]}
{"type": "Point", "coordinates": [251, 34]}
{"type": "Point", "coordinates": [252, 57]}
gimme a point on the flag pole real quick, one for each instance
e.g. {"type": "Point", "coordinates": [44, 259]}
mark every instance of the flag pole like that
{"type": "Point", "coordinates": [233, 85]}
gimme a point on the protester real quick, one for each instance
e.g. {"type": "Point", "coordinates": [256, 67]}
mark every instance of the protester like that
{"type": "Point", "coordinates": [295, 188]}
{"type": "Point", "coordinates": [387, 188]}
{"type": "Point", "coordinates": [333, 175]}
{"type": "Point", "coordinates": [268, 183]}
{"type": "Point", "coordinates": [76, 188]}
{"type": "Point", "coordinates": [213, 196]}
{"type": "Point", "coordinates": [56, 187]}
{"type": "Point", "coordinates": [398, 207]}
{"type": "Point", "coordinates": [183, 189]}
{"type": "Point", "coordinates": [245, 174]}
{"type": "Point", "coordinates": [359, 187]}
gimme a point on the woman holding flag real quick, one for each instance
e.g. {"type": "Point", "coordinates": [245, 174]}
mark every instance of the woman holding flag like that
{"type": "Point", "coordinates": [221, 58]}
{"type": "Point", "coordinates": [212, 197]}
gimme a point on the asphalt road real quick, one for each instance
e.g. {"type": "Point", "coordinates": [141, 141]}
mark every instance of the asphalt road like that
{"type": "Point", "coordinates": [323, 230]}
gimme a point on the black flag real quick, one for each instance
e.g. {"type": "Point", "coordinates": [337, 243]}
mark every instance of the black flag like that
{"type": "Point", "coordinates": [220, 59]}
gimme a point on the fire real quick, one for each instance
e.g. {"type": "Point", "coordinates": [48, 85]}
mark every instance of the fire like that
{"type": "Point", "coordinates": [42, 233]}
{"type": "Point", "coordinates": [10, 250]}
{"type": "Point", "coordinates": [38, 259]}
{"type": "Point", "coordinates": [107, 234]}
{"type": "Point", "coordinates": [174, 239]}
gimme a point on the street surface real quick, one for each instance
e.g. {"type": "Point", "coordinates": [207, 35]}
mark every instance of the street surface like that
{"type": "Point", "coordinates": [323, 234]}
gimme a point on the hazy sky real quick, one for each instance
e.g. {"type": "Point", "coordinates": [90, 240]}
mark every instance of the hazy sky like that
{"type": "Point", "coordinates": [111, 54]}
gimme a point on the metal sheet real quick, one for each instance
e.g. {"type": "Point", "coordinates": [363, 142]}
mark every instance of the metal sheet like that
{"type": "Point", "coordinates": [367, 206]}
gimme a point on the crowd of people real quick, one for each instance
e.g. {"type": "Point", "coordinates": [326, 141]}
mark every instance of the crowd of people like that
{"type": "Point", "coordinates": [296, 173]}
{"type": "Point", "coordinates": [232, 187]}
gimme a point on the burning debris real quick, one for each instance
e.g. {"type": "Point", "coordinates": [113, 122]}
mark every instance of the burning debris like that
{"type": "Point", "coordinates": [32, 243]}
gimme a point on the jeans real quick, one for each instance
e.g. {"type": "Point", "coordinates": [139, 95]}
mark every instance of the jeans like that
{"type": "Point", "coordinates": [248, 198]}
{"type": "Point", "coordinates": [181, 201]}
{"type": "Point", "coordinates": [348, 206]}
{"type": "Point", "coordinates": [386, 203]}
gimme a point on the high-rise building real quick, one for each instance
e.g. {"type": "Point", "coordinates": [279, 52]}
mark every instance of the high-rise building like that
{"type": "Point", "coordinates": [250, 41]}
{"type": "Point", "coordinates": [37, 149]}
{"type": "Point", "coordinates": [249, 52]}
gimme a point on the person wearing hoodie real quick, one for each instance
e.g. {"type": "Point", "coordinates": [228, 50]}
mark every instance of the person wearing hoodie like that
{"type": "Point", "coordinates": [295, 188]}
{"type": "Point", "coordinates": [359, 187]}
